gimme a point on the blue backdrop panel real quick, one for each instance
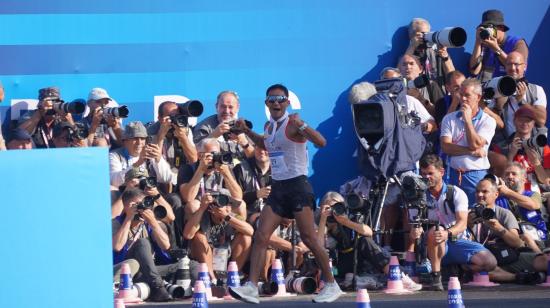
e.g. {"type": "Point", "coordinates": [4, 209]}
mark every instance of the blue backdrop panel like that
{"type": "Point", "coordinates": [56, 229]}
{"type": "Point", "coordinates": [138, 49]}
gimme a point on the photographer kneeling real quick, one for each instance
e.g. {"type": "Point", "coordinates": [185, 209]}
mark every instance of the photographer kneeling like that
{"type": "Point", "coordinates": [343, 226]}
{"type": "Point", "coordinates": [215, 231]}
{"type": "Point", "coordinates": [448, 243]}
{"type": "Point", "coordinates": [136, 232]}
{"type": "Point", "coordinates": [497, 229]}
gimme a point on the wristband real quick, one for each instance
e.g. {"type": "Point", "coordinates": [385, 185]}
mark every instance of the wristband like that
{"type": "Point", "coordinates": [227, 218]}
{"type": "Point", "coordinates": [303, 127]}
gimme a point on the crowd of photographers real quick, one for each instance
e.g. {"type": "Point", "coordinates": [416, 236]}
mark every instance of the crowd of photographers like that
{"type": "Point", "coordinates": [474, 203]}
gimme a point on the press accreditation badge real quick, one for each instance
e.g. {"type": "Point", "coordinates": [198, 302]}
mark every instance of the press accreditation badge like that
{"type": "Point", "coordinates": [278, 164]}
{"type": "Point", "coordinates": [221, 255]}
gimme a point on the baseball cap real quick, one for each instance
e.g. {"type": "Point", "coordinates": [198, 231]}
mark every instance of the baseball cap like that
{"type": "Point", "coordinates": [134, 129]}
{"type": "Point", "coordinates": [98, 93]}
{"type": "Point", "coordinates": [20, 134]}
{"type": "Point", "coordinates": [49, 92]}
{"type": "Point", "coordinates": [134, 173]}
{"type": "Point", "coordinates": [525, 111]}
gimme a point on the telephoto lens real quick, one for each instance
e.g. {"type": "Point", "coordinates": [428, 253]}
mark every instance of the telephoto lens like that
{"type": "Point", "coordinates": [488, 213]}
{"type": "Point", "coordinates": [339, 209]}
{"type": "Point", "coordinates": [301, 285]}
{"type": "Point", "coordinates": [117, 112]}
{"type": "Point", "coordinates": [192, 108]}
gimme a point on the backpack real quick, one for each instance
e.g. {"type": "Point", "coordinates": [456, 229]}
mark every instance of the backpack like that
{"type": "Point", "coordinates": [449, 199]}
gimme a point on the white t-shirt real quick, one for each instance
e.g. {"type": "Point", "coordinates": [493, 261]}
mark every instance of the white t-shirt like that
{"type": "Point", "coordinates": [441, 212]}
{"type": "Point", "coordinates": [453, 126]}
{"type": "Point", "coordinates": [415, 105]}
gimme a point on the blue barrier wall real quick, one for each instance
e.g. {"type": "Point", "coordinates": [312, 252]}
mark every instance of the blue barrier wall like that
{"type": "Point", "coordinates": [137, 49]}
{"type": "Point", "coordinates": [56, 229]}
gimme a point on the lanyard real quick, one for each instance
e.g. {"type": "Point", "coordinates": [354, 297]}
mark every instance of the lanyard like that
{"type": "Point", "coordinates": [274, 127]}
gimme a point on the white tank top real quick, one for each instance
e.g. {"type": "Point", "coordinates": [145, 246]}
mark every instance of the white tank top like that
{"type": "Point", "coordinates": [289, 159]}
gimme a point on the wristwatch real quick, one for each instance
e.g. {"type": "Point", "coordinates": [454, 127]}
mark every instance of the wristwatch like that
{"type": "Point", "coordinates": [245, 146]}
{"type": "Point", "coordinates": [498, 53]}
{"type": "Point", "coordinates": [445, 59]}
{"type": "Point", "coordinates": [227, 218]}
{"type": "Point", "coordinates": [303, 127]}
{"type": "Point", "coordinates": [451, 237]}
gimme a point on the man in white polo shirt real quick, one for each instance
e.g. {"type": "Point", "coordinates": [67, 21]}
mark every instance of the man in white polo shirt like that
{"type": "Point", "coordinates": [465, 138]}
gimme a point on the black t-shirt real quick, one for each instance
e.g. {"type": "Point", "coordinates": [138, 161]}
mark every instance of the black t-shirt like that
{"type": "Point", "coordinates": [249, 177]}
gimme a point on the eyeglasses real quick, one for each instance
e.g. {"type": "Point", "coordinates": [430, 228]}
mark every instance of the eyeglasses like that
{"type": "Point", "coordinates": [276, 98]}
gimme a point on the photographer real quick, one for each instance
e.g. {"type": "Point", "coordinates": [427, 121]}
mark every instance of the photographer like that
{"type": "Point", "coordinates": [221, 124]}
{"type": "Point", "coordinates": [138, 178]}
{"type": "Point", "coordinates": [498, 230]}
{"type": "Point", "coordinates": [447, 243]}
{"type": "Point", "coordinates": [176, 141]}
{"type": "Point", "coordinates": [436, 60]}
{"type": "Point", "coordinates": [66, 135]}
{"type": "Point", "coordinates": [216, 233]}
{"type": "Point", "coordinates": [492, 46]}
{"type": "Point", "coordinates": [105, 129]}
{"type": "Point", "coordinates": [522, 148]}
{"type": "Point", "coordinates": [39, 123]}
{"type": "Point", "coordinates": [411, 68]}
{"type": "Point", "coordinates": [254, 178]}
{"type": "Point", "coordinates": [135, 234]}
{"type": "Point", "coordinates": [343, 227]}
{"type": "Point", "coordinates": [527, 94]}
{"type": "Point", "coordinates": [524, 204]}
{"type": "Point", "coordinates": [20, 139]}
{"type": "Point", "coordinates": [137, 153]}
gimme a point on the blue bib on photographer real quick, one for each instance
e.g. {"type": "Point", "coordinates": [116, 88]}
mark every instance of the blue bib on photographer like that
{"type": "Point", "coordinates": [390, 135]}
{"type": "Point", "coordinates": [532, 216]}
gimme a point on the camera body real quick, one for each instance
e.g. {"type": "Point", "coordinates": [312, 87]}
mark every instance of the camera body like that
{"type": "Point", "coordinates": [220, 199]}
{"type": "Point", "coordinates": [235, 130]}
{"type": "Point", "coordinates": [180, 120]}
{"type": "Point", "coordinates": [148, 203]}
{"type": "Point", "coordinates": [80, 132]}
{"type": "Point", "coordinates": [222, 158]}
{"type": "Point", "coordinates": [147, 182]}
{"type": "Point", "coordinates": [487, 32]}
{"type": "Point", "coordinates": [482, 212]}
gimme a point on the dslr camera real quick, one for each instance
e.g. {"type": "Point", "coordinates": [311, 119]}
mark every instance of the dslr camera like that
{"type": "Point", "coordinates": [482, 212]}
{"type": "Point", "coordinates": [448, 37]}
{"type": "Point", "coordinates": [487, 32]}
{"type": "Point", "coordinates": [222, 158]}
{"type": "Point", "coordinates": [79, 132]}
{"type": "Point", "coordinates": [148, 203]}
{"type": "Point", "coordinates": [192, 108]}
{"type": "Point", "coordinates": [60, 106]}
{"type": "Point", "coordinates": [353, 204]}
{"type": "Point", "coordinates": [413, 193]}
{"type": "Point", "coordinates": [235, 130]}
{"type": "Point", "coordinates": [220, 199]}
{"type": "Point", "coordinates": [147, 182]}
{"type": "Point", "coordinates": [537, 140]}
{"type": "Point", "coordinates": [117, 112]}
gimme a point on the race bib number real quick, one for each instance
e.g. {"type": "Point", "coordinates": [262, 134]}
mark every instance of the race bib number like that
{"type": "Point", "coordinates": [278, 164]}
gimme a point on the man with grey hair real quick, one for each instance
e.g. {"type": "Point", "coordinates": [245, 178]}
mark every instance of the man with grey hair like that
{"type": "Point", "coordinates": [436, 60]}
{"type": "Point", "coordinates": [135, 153]}
{"type": "Point", "coordinates": [361, 92]}
{"type": "Point", "coordinates": [198, 183]}
{"type": "Point", "coordinates": [465, 138]}
{"type": "Point", "coordinates": [221, 126]}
